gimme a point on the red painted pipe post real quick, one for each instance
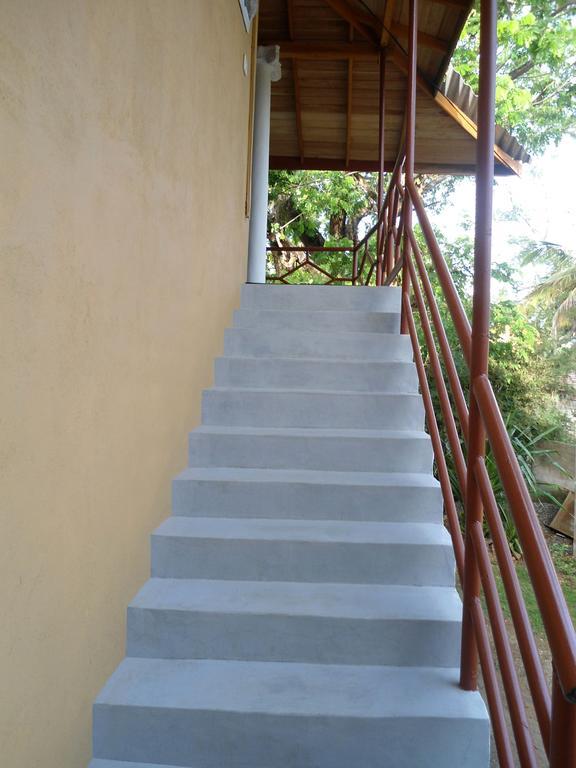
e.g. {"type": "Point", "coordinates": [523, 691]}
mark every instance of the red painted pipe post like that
{"type": "Point", "coordinates": [480, 325]}
{"type": "Point", "coordinates": [563, 731]}
{"type": "Point", "coordinates": [381, 115]}
{"type": "Point", "coordinates": [410, 146]}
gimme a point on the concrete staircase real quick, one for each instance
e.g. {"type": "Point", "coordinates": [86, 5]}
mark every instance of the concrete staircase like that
{"type": "Point", "coordinates": [301, 611]}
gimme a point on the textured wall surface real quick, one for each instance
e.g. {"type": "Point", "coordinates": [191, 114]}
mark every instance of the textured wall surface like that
{"type": "Point", "coordinates": [123, 134]}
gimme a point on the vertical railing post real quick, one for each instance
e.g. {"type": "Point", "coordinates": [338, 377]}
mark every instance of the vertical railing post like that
{"type": "Point", "coordinates": [410, 146]}
{"type": "Point", "coordinates": [480, 325]}
{"type": "Point", "coordinates": [381, 116]}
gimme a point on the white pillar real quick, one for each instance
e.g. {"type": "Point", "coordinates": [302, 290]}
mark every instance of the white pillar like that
{"type": "Point", "coordinates": [267, 71]}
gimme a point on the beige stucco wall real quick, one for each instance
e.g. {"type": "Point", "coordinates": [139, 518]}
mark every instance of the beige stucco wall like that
{"type": "Point", "coordinates": [123, 133]}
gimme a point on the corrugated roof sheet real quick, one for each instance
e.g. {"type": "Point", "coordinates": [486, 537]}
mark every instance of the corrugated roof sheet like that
{"type": "Point", "coordinates": [460, 94]}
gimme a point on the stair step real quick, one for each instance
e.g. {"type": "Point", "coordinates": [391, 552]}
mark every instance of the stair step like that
{"type": "Point", "coordinates": [301, 448]}
{"type": "Point", "coordinates": [210, 714]}
{"type": "Point", "coordinates": [307, 494]}
{"type": "Point", "coordinates": [318, 320]}
{"type": "Point", "coordinates": [300, 408]}
{"type": "Point", "coordinates": [287, 621]}
{"type": "Point", "coordinates": [260, 342]}
{"type": "Point", "coordinates": [123, 764]}
{"type": "Point", "coordinates": [324, 551]}
{"type": "Point", "coordinates": [315, 374]}
{"type": "Point", "coordinates": [321, 297]}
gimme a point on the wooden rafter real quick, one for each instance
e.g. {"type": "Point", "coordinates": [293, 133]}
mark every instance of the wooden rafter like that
{"type": "Point", "coordinates": [387, 22]}
{"type": "Point", "coordinates": [363, 22]}
{"type": "Point", "coordinates": [426, 41]}
{"type": "Point", "coordinates": [464, 5]}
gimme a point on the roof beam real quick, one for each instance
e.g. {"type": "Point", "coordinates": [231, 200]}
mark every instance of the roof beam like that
{"type": "Point", "coordinates": [288, 163]}
{"type": "Point", "coordinates": [362, 22]}
{"type": "Point", "coordinates": [424, 40]}
{"type": "Point", "coordinates": [327, 51]}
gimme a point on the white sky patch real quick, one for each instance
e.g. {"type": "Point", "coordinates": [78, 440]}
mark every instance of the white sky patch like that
{"type": "Point", "coordinates": [541, 205]}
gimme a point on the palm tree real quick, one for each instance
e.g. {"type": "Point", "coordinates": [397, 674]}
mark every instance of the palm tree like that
{"type": "Point", "coordinates": [556, 291]}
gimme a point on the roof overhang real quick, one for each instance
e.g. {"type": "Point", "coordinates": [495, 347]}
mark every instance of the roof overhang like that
{"type": "Point", "coordinates": [325, 108]}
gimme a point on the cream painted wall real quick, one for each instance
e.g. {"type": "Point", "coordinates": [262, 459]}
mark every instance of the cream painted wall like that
{"type": "Point", "coordinates": [123, 133]}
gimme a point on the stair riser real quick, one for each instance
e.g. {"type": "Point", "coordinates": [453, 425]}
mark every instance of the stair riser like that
{"type": "Point", "coordinates": [311, 297]}
{"type": "Point", "coordinates": [261, 342]}
{"type": "Point", "coordinates": [315, 374]}
{"type": "Point", "coordinates": [213, 739]}
{"type": "Point", "coordinates": [313, 501]}
{"type": "Point", "coordinates": [269, 560]}
{"type": "Point", "coordinates": [326, 453]}
{"type": "Point", "coordinates": [179, 634]}
{"type": "Point", "coordinates": [303, 321]}
{"type": "Point", "coordinates": [309, 409]}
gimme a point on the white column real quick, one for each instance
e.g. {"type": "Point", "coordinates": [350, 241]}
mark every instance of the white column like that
{"type": "Point", "coordinates": [267, 71]}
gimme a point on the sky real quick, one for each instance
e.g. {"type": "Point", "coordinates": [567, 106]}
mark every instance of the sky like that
{"type": "Point", "coordinates": [545, 196]}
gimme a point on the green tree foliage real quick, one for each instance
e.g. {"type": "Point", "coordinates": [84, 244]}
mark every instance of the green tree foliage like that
{"type": "Point", "coordinates": [536, 75]}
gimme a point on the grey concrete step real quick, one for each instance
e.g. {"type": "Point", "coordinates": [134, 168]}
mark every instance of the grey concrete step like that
{"type": "Point", "coordinates": [301, 408]}
{"type": "Point", "coordinates": [260, 342]}
{"type": "Point", "coordinates": [301, 494]}
{"type": "Point", "coordinates": [229, 714]}
{"type": "Point", "coordinates": [321, 297]}
{"type": "Point", "coordinates": [319, 374]}
{"type": "Point", "coordinates": [287, 621]}
{"type": "Point", "coordinates": [315, 320]}
{"type": "Point", "coordinates": [323, 551]}
{"type": "Point", "coordinates": [123, 764]}
{"type": "Point", "coordinates": [300, 448]}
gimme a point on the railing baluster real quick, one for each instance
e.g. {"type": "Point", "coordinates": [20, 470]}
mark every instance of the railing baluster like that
{"type": "Point", "coordinates": [511, 684]}
{"type": "Point", "coordinates": [443, 476]}
{"type": "Point", "coordinates": [445, 406]}
{"type": "Point", "coordinates": [526, 643]}
{"type": "Point", "coordinates": [480, 324]}
{"type": "Point", "coordinates": [410, 146]}
{"type": "Point", "coordinates": [451, 371]}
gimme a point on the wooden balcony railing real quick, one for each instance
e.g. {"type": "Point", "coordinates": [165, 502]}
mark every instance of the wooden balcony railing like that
{"type": "Point", "coordinates": [390, 253]}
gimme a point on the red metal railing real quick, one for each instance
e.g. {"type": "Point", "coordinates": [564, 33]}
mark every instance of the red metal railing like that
{"type": "Point", "coordinates": [469, 425]}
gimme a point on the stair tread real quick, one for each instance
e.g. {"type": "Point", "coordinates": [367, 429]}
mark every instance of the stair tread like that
{"type": "Point", "coordinates": [104, 763]}
{"type": "Point", "coordinates": [323, 476]}
{"type": "Point", "coordinates": [291, 689]}
{"type": "Point", "coordinates": [321, 360]}
{"type": "Point", "coordinates": [339, 432]}
{"type": "Point", "coordinates": [316, 392]}
{"type": "Point", "coordinates": [368, 335]}
{"type": "Point", "coordinates": [347, 601]}
{"type": "Point", "coordinates": [319, 531]}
